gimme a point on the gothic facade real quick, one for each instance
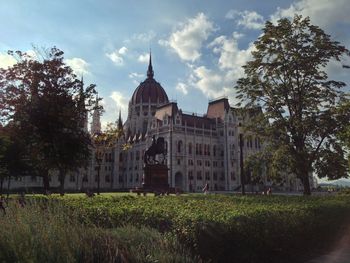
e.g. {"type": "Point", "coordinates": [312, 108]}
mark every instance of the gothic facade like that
{"type": "Point", "coordinates": [200, 149]}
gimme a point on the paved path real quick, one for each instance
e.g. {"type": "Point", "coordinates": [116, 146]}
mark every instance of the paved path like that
{"type": "Point", "coordinates": [340, 252]}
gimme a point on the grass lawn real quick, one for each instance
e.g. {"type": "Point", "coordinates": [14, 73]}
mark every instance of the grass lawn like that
{"type": "Point", "coordinates": [217, 228]}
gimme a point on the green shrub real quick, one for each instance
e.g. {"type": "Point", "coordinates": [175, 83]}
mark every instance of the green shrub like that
{"type": "Point", "coordinates": [48, 231]}
{"type": "Point", "coordinates": [226, 228]}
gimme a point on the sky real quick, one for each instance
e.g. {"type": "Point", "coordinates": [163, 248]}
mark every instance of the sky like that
{"type": "Point", "coordinates": [198, 46]}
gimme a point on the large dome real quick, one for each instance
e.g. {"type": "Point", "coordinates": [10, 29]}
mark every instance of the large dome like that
{"type": "Point", "coordinates": [149, 90]}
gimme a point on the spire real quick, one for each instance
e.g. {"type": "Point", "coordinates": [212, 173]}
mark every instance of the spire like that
{"type": "Point", "coordinates": [150, 72]}
{"type": "Point", "coordinates": [120, 121]}
{"type": "Point", "coordinates": [96, 122]}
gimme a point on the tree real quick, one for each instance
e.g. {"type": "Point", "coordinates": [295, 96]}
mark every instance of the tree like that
{"type": "Point", "coordinates": [301, 115]}
{"type": "Point", "coordinates": [344, 134]}
{"type": "Point", "coordinates": [48, 105]}
{"type": "Point", "coordinates": [103, 143]}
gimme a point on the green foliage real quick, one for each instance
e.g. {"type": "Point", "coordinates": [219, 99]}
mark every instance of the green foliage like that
{"type": "Point", "coordinates": [46, 105]}
{"type": "Point", "coordinates": [302, 115]}
{"type": "Point", "coordinates": [50, 232]}
{"type": "Point", "coordinates": [224, 228]}
{"type": "Point", "coordinates": [12, 155]}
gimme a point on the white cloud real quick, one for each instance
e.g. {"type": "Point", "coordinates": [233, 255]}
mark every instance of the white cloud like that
{"type": "Point", "coordinates": [207, 81]}
{"type": "Point", "coordinates": [117, 56]}
{"type": "Point", "coordinates": [182, 87]}
{"type": "Point", "coordinates": [144, 37]}
{"type": "Point", "coordinates": [220, 79]}
{"type": "Point", "coordinates": [79, 65]}
{"type": "Point", "coordinates": [214, 83]}
{"type": "Point", "coordinates": [323, 13]}
{"type": "Point", "coordinates": [112, 104]}
{"type": "Point", "coordinates": [120, 100]}
{"type": "Point", "coordinates": [247, 19]}
{"type": "Point", "coordinates": [163, 42]}
{"type": "Point", "coordinates": [230, 56]}
{"type": "Point", "coordinates": [143, 58]}
{"type": "Point", "coordinates": [122, 50]}
{"type": "Point", "coordinates": [331, 16]}
{"type": "Point", "coordinates": [7, 61]}
{"type": "Point", "coordinates": [135, 75]}
{"type": "Point", "coordinates": [188, 39]}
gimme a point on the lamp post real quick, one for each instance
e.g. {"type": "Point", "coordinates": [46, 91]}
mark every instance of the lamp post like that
{"type": "Point", "coordinates": [98, 158]}
{"type": "Point", "coordinates": [241, 144]}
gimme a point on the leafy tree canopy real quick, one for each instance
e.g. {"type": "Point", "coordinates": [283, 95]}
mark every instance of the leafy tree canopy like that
{"type": "Point", "coordinates": [42, 99]}
{"type": "Point", "coordinates": [302, 109]}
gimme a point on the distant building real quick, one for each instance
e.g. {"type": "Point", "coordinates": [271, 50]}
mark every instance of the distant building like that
{"type": "Point", "coordinates": [201, 149]}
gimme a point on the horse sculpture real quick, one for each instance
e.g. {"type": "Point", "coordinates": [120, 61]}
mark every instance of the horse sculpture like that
{"type": "Point", "coordinates": [157, 147]}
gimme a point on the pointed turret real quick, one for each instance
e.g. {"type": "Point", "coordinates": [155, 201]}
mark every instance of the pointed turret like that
{"type": "Point", "coordinates": [81, 105]}
{"type": "Point", "coordinates": [150, 72]}
{"type": "Point", "coordinates": [120, 121]}
{"type": "Point", "coordinates": [96, 122]}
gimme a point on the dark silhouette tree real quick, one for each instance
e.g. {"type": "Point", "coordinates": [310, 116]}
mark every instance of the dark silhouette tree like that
{"type": "Point", "coordinates": [13, 159]}
{"type": "Point", "coordinates": [47, 104]}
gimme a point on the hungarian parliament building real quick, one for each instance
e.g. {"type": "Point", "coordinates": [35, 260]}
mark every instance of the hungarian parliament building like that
{"type": "Point", "coordinates": [200, 149]}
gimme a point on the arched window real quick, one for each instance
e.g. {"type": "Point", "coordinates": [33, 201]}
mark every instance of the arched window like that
{"type": "Point", "coordinates": [199, 175]}
{"type": "Point", "coordinates": [165, 120]}
{"type": "Point", "coordinates": [177, 120]}
{"type": "Point", "coordinates": [165, 146]}
{"type": "Point", "coordinates": [190, 148]}
{"type": "Point", "coordinates": [179, 146]}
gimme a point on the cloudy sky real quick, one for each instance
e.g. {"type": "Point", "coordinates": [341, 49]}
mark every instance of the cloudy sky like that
{"type": "Point", "coordinates": [198, 46]}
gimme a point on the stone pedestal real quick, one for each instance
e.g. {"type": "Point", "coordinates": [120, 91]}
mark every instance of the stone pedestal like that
{"type": "Point", "coordinates": [155, 177]}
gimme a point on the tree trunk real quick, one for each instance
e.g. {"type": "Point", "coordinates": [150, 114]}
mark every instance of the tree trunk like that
{"type": "Point", "coordinates": [46, 182]}
{"type": "Point", "coordinates": [1, 185]}
{"type": "Point", "coordinates": [306, 184]}
{"type": "Point", "coordinates": [61, 177]}
{"type": "Point", "coordinates": [241, 164]}
{"type": "Point", "coordinates": [304, 177]}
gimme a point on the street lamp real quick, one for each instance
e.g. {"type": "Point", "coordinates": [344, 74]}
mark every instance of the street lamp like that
{"type": "Point", "coordinates": [241, 144]}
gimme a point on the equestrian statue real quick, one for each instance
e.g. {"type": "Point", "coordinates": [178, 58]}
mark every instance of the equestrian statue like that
{"type": "Point", "coordinates": [157, 147]}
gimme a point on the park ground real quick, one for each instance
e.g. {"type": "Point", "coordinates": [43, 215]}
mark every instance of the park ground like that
{"type": "Point", "coordinates": [123, 227]}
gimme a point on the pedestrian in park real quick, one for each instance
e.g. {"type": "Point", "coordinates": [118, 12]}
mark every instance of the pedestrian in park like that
{"type": "Point", "coordinates": [269, 191]}
{"type": "Point", "coordinates": [21, 200]}
{"type": "Point", "coordinates": [206, 188]}
{"type": "Point", "coordinates": [2, 204]}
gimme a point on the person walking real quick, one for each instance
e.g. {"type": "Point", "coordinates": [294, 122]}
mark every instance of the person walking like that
{"type": "Point", "coordinates": [206, 188]}
{"type": "Point", "coordinates": [2, 204]}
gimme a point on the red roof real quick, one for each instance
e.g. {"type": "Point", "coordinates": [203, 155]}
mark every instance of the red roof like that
{"type": "Point", "coordinates": [149, 90]}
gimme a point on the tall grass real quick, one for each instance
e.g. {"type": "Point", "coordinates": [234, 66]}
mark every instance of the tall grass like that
{"type": "Point", "coordinates": [51, 232]}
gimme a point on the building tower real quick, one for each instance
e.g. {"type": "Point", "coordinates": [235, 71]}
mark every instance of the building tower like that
{"type": "Point", "coordinates": [143, 104]}
{"type": "Point", "coordinates": [120, 121]}
{"type": "Point", "coordinates": [96, 122]}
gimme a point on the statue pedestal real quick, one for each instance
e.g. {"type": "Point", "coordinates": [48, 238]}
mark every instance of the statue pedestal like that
{"type": "Point", "coordinates": [155, 177]}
